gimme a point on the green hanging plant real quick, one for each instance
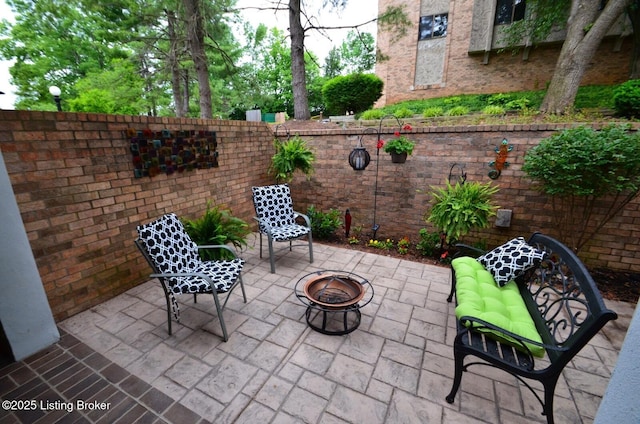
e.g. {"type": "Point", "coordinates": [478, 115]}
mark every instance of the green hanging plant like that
{"type": "Point", "coordinates": [459, 209]}
{"type": "Point", "coordinates": [291, 155]}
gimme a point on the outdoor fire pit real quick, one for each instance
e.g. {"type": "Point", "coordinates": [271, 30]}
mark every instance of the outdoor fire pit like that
{"type": "Point", "coordinates": [333, 300]}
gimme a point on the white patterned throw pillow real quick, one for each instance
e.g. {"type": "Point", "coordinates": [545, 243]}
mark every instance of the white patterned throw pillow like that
{"type": "Point", "coordinates": [511, 260]}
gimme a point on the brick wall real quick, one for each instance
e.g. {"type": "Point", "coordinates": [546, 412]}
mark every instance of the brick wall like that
{"type": "Point", "coordinates": [403, 189]}
{"type": "Point", "coordinates": [72, 175]}
{"type": "Point", "coordinates": [466, 74]}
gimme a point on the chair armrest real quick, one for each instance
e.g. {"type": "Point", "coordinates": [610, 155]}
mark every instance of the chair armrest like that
{"type": "Point", "coordinates": [219, 246]}
{"type": "Point", "coordinates": [474, 324]}
{"type": "Point", "coordinates": [465, 248]}
{"type": "Point", "coordinates": [303, 216]}
{"type": "Point", "coordinates": [263, 224]}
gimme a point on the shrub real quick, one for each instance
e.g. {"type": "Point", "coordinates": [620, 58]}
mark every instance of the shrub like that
{"type": "Point", "coordinates": [493, 110]}
{"type": "Point", "coordinates": [372, 114]}
{"type": "Point", "coordinates": [355, 93]}
{"type": "Point", "coordinates": [323, 224]}
{"type": "Point", "coordinates": [290, 155]}
{"type": "Point", "coordinates": [457, 111]}
{"type": "Point", "coordinates": [498, 99]}
{"type": "Point", "coordinates": [626, 99]}
{"type": "Point", "coordinates": [433, 111]}
{"type": "Point", "coordinates": [403, 113]}
{"type": "Point", "coordinates": [217, 226]}
{"type": "Point", "coordinates": [429, 243]}
{"type": "Point", "coordinates": [521, 103]}
{"type": "Point", "coordinates": [590, 175]}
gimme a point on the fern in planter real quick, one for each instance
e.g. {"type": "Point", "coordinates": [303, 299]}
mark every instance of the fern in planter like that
{"type": "Point", "coordinates": [217, 226]}
{"type": "Point", "coordinates": [291, 155]}
{"type": "Point", "coordinates": [459, 209]}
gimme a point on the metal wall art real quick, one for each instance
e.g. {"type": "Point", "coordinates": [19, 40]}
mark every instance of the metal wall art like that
{"type": "Point", "coordinates": [501, 159]}
{"type": "Point", "coordinates": [166, 151]}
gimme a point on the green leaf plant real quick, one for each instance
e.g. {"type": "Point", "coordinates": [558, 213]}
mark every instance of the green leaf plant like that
{"type": "Point", "coordinates": [589, 176]}
{"type": "Point", "coordinates": [217, 227]}
{"type": "Point", "coordinates": [458, 209]}
{"type": "Point", "coordinates": [291, 155]}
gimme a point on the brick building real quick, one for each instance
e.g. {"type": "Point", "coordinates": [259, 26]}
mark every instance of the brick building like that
{"type": "Point", "coordinates": [454, 47]}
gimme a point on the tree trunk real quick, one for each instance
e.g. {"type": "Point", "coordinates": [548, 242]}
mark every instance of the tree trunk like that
{"type": "Point", "coordinates": [195, 36]}
{"type": "Point", "coordinates": [586, 27]}
{"type": "Point", "coordinates": [633, 11]}
{"type": "Point", "coordinates": [298, 72]}
{"type": "Point", "coordinates": [174, 65]}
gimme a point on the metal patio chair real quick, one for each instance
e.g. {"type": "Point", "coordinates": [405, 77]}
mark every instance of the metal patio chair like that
{"type": "Point", "coordinates": [277, 219]}
{"type": "Point", "coordinates": [174, 259]}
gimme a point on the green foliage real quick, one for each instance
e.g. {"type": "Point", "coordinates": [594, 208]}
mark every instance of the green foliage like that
{"type": "Point", "coordinates": [217, 227]}
{"type": "Point", "coordinates": [493, 110]}
{"type": "Point", "coordinates": [291, 155]}
{"type": "Point", "coordinates": [584, 162]}
{"type": "Point", "coordinates": [459, 209]}
{"type": "Point", "coordinates": [429, 243]}
{"type": "Point", "coordinates": [626, 98]}
{"type": "Point", "coordinates": [355, 93]}
{"type": "Point", "coordinates": [323, 224]}
{"type": "Point", "coordinates": [372, 114]}
{"type": "Point", "coordinates": [400, 144]}
{"type": "Point", "coordinates": [499, 99]}
{"type": "Point", "coordinates": [358, 52]}
{"type": "Point", "coordinates": [457, 111]}
{"type": "Point", "coordinates": [590, 176]}
{"type": "Point", "coordinates": [404, 112]}
{"type": "Point", "coordinates": [433, 111]}
{"type": "Point", "coordinates": [521, 103]}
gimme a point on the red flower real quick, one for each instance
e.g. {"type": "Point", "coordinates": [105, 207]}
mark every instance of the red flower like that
{"type": "Point", "coordinates": [380, 143]}
{"type": "Point", "coordinates": [397, 133]}
{"type": "Point", "coordinates": [407, 127]}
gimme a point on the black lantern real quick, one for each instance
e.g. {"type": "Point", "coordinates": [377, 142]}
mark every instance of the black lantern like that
{"type": "Point", "coordinates": [359, 158]}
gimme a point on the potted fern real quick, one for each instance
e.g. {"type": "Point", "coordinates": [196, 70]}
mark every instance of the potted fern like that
{"type": "Point", "coordinates": [460, 208]}
{"type": "Point", "coordinates": [291, 155]}
{"type": "Point", "coordinates": [217, 227]}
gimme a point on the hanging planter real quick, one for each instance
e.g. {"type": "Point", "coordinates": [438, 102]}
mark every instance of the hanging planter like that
{"type": "Point", "coordinates": [398, 157]}
{"type": "Point", "coordinates": [399, 147]}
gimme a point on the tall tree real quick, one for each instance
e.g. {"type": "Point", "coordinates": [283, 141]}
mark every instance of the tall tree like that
{"type": "Point", "coordinates": [358, 52]}
{"type": "Point", "coordinates": [587, 25]}
{"type": "Point", "coordinates": [392, 18]}
{"type": "Point", "coordinates": [195, 37]}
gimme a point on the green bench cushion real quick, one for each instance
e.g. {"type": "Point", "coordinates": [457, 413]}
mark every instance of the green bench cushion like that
{"type": "Point", "coordinates": [478, 296]}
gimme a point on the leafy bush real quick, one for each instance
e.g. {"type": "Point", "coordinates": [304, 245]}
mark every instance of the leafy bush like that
{"type": "Point", "coordinates": [429, 243]}
{"type": "Point", "coordinates": [499, 99]}
{"type": "Point", "coordinates": [493, 110]}
{"type": "Point", "coordinates": [433, 111]}
{"type": "Point", "coordinates": [457, 111]}
{"type": "Point", "coordinates": [216, 227]}
{"type": "Point", "coordinates": [459, 209]}
{"type": "Point", "coordinates": [323, 224]}
{"type": "Point", "coordinates": [290, 155]}
{"type": "Point", "coordinates": [355, 93]}
{"type": "Point", "coordinates": [403, 112]}
{"type": "Point", "coordinates": [626, 99]}
{"type": "Point", "coordinates": [583, 169]}
{"type": "Point", "coordinates": [372, 114]}
{"type": "Point", "coordinates": [521, 103]}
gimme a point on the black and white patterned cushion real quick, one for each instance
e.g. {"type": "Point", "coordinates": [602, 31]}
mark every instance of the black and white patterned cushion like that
{"type": "Point", "coordinates": [511, 260]}
{"type": "Point", "coordinates": [274, 208]}
{"type": "Point", "coordinates": [173, 251]}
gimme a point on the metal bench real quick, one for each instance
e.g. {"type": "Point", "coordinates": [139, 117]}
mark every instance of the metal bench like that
{"type": "Point", "coordinates": [567, 310]}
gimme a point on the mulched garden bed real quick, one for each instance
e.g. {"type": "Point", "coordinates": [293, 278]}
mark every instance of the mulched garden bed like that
{"type": "Point", "coordinates": [614, 285]}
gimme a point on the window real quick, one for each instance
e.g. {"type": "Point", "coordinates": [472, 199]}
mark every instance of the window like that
{"type": "Point", "coordinates": [509, 11]}
{"type": "Point", "coordinates": [432, 26]}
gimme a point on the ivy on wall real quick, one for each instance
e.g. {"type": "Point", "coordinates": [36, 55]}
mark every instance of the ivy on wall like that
{"type": "Point", "coordinates": [166, 151]}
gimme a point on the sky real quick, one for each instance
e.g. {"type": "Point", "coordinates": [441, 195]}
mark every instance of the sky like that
{"type": "Point", "coordinates": [356, 12]}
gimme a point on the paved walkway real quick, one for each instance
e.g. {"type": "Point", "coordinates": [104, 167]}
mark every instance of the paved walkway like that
{"type": "Point", "coordinates": [396, 367]}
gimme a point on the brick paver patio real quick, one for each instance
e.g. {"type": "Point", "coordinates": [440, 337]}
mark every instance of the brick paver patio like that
{"type": "Point", "coordinates": [396, 367]}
